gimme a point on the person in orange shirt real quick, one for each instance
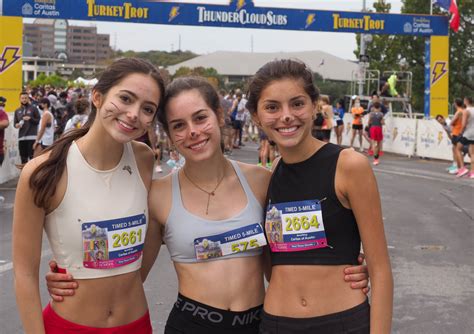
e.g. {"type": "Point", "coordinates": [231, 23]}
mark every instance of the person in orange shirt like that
{"type": "Point", "coordinates": [357, 112]}
{"type": "Point", "coordinates": [456, 135]}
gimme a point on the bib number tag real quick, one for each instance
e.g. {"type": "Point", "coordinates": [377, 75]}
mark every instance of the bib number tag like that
{"type": "Point", "coordinates": [295, 226]}
{"type": "Point", "coordinates": [231, 242]}
{"type": "Point", "coordinates": [113, 243]}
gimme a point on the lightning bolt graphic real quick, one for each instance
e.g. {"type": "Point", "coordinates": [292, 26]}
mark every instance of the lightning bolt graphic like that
{"type": "Point", "coordinates": [173, 13]}
{"type": "Point", "coordinates": [310, 20]}
{"type": "Point", "coordinates": [9, 57]}
{"type": "Point", "coordinates": [240, 4]}
{"type": "Point", "coordinates": [439, 69]}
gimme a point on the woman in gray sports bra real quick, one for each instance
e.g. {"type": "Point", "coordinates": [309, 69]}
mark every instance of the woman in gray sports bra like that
{"type": "Point", "coordinates": [209, 214]}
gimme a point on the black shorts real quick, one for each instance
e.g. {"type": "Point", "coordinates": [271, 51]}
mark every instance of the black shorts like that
{"type": "Point", "coordinates": [357, 126]}
{"type": "Point", "coordinates": [339, 122]}
{"type": "Point", "coordinates": [322, 134]}
{"type": "Point", "coordinates": [355, 320]}
{"type": "Point", "coordinates": [465, 141]}
{"type": "Point", "coordinates": [456, 139]}
{"type": "Point", "coordinates": [191, 317]}
{"type": "Point", "coordinates": [237, 125]}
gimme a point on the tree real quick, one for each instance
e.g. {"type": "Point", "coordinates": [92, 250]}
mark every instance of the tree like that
{"type": "Point", "coordinates": [380, 49]}
{"type": "Point", "coordinates": [211, 73]}
{"type": "Point", "coordinates": [52, 80]}
{"type": "Point", "coordinates": [387, 51]}
{"type": "Point", "coordinates": [158, 58]}
{"type": "Point", "coordinates": [461, 56]}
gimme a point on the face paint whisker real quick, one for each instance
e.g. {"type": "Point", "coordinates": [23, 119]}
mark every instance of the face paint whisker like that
{"type": "Point", "coordinates": [110, 113]}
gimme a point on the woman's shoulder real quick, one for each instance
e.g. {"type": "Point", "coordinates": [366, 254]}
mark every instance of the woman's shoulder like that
{"type": "Point", "coordinates": [350, 162]}
{"type": "Point", "coordinates": [253, 171]}
{"type": "Point", "coordinates": [258, 179]}
{"type": "Point", "coordinates": [33, 165]}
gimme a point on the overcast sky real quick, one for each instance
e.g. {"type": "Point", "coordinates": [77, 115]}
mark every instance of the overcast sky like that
{"type": "Point", "coordinates": [201, 40]}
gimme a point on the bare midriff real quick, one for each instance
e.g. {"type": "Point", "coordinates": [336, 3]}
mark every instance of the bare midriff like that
{"type": "Point", "coordinates": [305, 291]}
{"type": "Point", "coordinates": [105, 302]}
{"type": "Point", "coordinates": [233, 284]}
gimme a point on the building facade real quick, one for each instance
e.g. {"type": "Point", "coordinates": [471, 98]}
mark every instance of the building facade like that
{"type": "Point", "coordinates": [73, 44]}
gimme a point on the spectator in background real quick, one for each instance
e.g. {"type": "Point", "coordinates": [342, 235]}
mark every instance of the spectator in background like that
{"type": "Point", "coordinates": [77, 121]}
{"type": "Point", "coordinates": [467, 138]}
{"type": "Point", "coordinates": [339, 119]}
{"type": "Point", "coordinates": [376, 98]}
{"type": "Point", "coordinates": [376, 122]}
{"type": "Point", "coordinates": [357, 112]}
{"type": "Point", "coordinates": [442, 121]}
{"type": "Point", "coordinates": [26, 119]}
{"type": "Point", "coordinates": [226, 105]}
{"type": "Point", "coordinates": [328, 115]}
{"type": "Point", "coordinates": [456, 126]}
{"type": "Point", "coordinates": [392, 85]}
{"type": "Point", "coordinates": [60, 113]}
{"type": "Point", "coordinates": [4, 122]}
{"type": "Point", "coordinates": [45, 136]}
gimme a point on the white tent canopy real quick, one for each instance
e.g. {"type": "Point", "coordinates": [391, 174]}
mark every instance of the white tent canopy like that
{"type": "Point", "coordinates": [86, 82]}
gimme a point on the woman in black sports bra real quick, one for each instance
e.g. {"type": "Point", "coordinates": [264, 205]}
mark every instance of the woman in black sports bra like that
{"type": "Point", "coordinates": [322, 200]}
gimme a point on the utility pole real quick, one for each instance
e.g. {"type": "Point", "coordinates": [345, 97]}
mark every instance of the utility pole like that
{"type": "Point", "coordinates": [361, 58]}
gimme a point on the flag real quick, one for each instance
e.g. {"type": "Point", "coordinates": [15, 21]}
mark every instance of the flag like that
{"type": "Point", "coordinates": [452, 7]}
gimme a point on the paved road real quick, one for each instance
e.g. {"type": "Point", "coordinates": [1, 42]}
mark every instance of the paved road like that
{"type": "Point", "coordinates": [429, 223]}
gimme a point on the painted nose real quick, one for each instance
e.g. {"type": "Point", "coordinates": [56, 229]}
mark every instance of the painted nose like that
{"type": "Point", "coordinates": [132, 114]}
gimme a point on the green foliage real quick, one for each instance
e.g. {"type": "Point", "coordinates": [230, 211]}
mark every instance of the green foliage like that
{"type": "Point", "coordinates": [210, 73]}
{"type": "Point", "coordinates": [76, 73]}
{"type": "Point", "coordinates": [334, 89]}
{"type": "Point", "coordinates": [52, 80]}
{"type": "Point", "coordinates": [158, 58]}
{"type": "Point", "coordinates": [386, 51]}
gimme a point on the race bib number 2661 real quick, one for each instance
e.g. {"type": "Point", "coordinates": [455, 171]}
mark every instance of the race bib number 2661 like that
{"type": "Point", "coordinates": [113, 243]}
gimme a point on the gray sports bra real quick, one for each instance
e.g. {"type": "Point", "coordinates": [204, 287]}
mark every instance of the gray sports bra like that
{"type": "Point", "coordinates": [191, 239]}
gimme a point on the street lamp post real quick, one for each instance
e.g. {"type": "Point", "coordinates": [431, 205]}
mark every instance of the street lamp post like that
{"type": "Point", "coordinates": [362, 50]}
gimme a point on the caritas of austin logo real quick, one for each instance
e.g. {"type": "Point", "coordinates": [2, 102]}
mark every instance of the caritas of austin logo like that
{"type": "Point", "coordinates": [45, 8]}
{"type": "Point", "coordinates": [242, 17]}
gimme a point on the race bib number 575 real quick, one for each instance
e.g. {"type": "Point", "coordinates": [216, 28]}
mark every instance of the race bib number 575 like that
{"type": "Point", "coordinates": [113, 243]}
{"type": "Point", "coordinates": [295, 226]}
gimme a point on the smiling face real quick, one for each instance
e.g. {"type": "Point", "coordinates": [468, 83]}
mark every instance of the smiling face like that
{"type": "Point", "coordinates": [193, 126]}
{"type": "Point", "coordinates": [285, 113]}
{"type": "Point", "coordinates": [128, 109]}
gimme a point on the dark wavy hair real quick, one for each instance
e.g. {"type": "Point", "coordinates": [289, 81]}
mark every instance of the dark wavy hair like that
{"type": "Point", "coordinates": [276, 70]}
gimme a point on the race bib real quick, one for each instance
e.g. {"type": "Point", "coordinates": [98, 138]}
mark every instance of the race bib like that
{"type": "Point", "coordinates": [113, 243]}
{"type": "Point", "coordinates": [239, 240]}
{"type": "Point", "coordinates": [295, 226]}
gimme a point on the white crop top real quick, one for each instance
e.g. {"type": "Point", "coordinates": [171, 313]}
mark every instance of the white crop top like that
{"type": "Point", "coordinates": [99, 228]}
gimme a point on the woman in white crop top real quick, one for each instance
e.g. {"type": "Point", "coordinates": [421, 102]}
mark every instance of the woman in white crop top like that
{"type": "Point", "coordinates": [207, 213]}
{"type": "Point", "coordinates": [91, 185]}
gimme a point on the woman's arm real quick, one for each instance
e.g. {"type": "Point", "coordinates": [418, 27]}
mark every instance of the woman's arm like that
{"type": "Point", "coordinates": [360, 188]}
{"type": "Point", "coordinates": [28, 221]}
{"type": "Point", "coordinates": [465, 116]}
{"type": "Point", "coordinates": [153, 239]}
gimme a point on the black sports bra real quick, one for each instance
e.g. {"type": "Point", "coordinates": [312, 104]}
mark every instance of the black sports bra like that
{"type": "Point", "coordinates": [305, 222]}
